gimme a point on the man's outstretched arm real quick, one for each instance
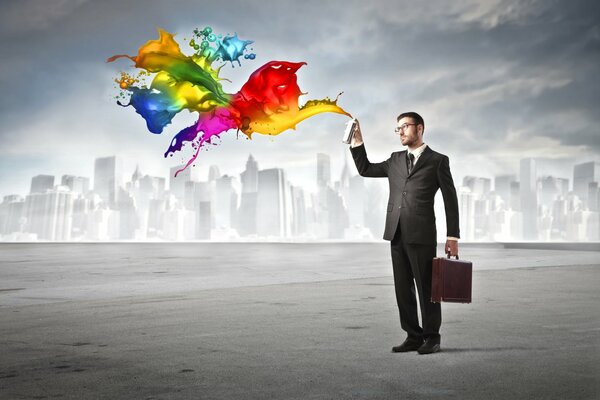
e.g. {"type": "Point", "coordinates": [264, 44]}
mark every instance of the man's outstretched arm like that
{"type": "Point", "coordinates": [363, 165]}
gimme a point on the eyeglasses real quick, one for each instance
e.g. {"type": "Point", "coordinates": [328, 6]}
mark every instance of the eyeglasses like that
{"type": "Point", "coordinates": [402, 127]}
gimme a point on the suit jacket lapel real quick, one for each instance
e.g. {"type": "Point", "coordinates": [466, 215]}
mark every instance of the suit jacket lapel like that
{"type": "Point", "coordinates": [422, 159]}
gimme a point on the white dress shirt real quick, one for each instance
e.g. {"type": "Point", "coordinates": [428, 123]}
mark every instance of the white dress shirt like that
{"type": "Point", "coordinates": [417, 152]}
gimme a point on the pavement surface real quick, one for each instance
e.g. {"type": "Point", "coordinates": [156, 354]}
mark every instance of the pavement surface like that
{"type": "Point", "coordinates": [283, 321]}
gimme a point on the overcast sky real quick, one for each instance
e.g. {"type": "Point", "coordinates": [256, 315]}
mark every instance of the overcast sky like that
{"type": "Point", "coordinates": [496, 81]}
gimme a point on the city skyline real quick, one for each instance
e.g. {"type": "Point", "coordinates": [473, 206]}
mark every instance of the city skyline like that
{"type": "Point", "coordinates": [263, 204]}
{"type": "Point", "coordinates": [560, 168]}
{"type": "Point", "coordinates": [335, 169]}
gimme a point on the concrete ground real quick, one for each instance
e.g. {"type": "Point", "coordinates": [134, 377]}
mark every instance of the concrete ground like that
{"type": "Point", "coordinates": [119, 322]}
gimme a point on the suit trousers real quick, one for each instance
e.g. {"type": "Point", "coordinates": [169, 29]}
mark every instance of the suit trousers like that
{"type": "Point", "coordinates": [412, 264]}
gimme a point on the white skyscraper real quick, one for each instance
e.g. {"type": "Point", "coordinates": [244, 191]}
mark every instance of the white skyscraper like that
{"type": "Point", "coordinates": [529, 198]}
{"type": "Point", "coordinates": [551, 188]}
{"type": "Point", "coordinates": [50, 214]}
{"type": "Point", "coordinates": [502, 185]}
{"type": "Point", "coordinates": [271, 204]}
{"type": "Point", "coordinates": [177, 183]}
{"type": "Point", "coordinates": [466, 201]}
{"type": "Point", "coordinates": [583, 175]}
{"type": "Point", "coordinates": [226, 202]}
{"type": "Point", "coordinates": [213, 173]}
{"type": "Point", "coordinates": [11, 214]}
{"type": "Point", "coordinates": [77, 184]}
{"type": "Point", "coordinates": [248, 201]}
{"type": "Point", "coordinates": [298, 211]}
{"type": "Point", "coordinates": [478, 185]}
{"type": "Point", "coordinates": [108, 178]}
{"type": "Point", "coordinates": [323, 170]}
{"type": "Point", "coordinates": [41, 183]}
{"type": "Point", "coordinates": [178, 223]}
{"type": "Point", "coordinates": [250, 176]}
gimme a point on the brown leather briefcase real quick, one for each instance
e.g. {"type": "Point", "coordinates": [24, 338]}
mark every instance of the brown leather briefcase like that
{"type": "Point", "coordinates": [451, 280]}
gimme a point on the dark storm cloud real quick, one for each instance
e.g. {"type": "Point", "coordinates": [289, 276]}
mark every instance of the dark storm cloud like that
{"type": "Point", "coordinates": [504, 69]}
{"type": "Point", "coordinates": [547, 64]}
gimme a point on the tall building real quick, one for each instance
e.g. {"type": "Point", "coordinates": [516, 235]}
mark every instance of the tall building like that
{"type": "Point", "coordinates": [142, 189]}
{"type": "Point", "coordinates": [323, 170]}
{"type": "Point", "coordinates": [337, 214]}
{"type": "Point", "coordinates": [81, 208]}
{"type": "Point", "coordinates": [551, 188]}
{"type": "Point", "coordinates": [152, 186]}
{"type": "Point", "coordinates": [178, 223]}
{"type": "Point", "coordinates": [248, 202]}
{"type": "Point", "coordinates": [177, 183]}
{"type": "Point", "coordinates": [515, 196]}
{"type": "Point", "coordinates": [128, 217]}
{"type": "Point", "coordinates": [137, 174]}
{"type": "Point", "coordinates": [226, 202]}
{"type": "Point", "coordinates": [466, 201]}
{"type": "Point", "coordinates": [156, 212]}
{"type": "Point", "coordinates": [593, 199]}
{"type": "Point", "coordinates": [355, 201]}
{"type": "Point", "coordinates": [77, 184]}
{"type": "Point", "coordinates": [41, 183]}
{"type": "Point", "coordinates": [198, 199]}
{"type": "Point", "coordinates": [479, 186]}
{"type": "Point", "coordinates": [346, 176]}
{"type": "Point", "coordinates": [560, 210]}
{"type": "Point", "coordinates": [502, 187]}
{"type": "Point", "coordinates": [49, 215]}
{"type": "Point", "coordinates": [529, 198]}
{"type": "Point", "coordinates": [203, 220]}
{"type": "Point", "coordinates": [477, 195]}
{"type": "Point", "coordinates": [481, 218]}
{"type": "Point", "coordinates": [213, 173]}
{"type": "Point", "coordinates": [299, 221]}
{"type": "Point", "coordinates": [12, 214]}
{"type": "Point", "coordinates": [351, 197]}
{"type": "Point", "coordinates": [195, 192]}
{"type": "Point", "coordinates": [108, 179]}
{"type": "Point", "coordinates": [375, 206]}
{"type": "Point", "coordinates": [249, 177]}
{"type": "Point", "coordinates": [583, 175]}
{"type": "Point", "coordinates": [272, 214]}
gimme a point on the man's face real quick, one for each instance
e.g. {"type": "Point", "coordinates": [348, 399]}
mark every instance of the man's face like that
{"type": "Point", "coordinates": [412, 133]}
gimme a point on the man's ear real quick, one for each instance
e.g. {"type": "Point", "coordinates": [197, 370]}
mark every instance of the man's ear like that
{"type": "Point", "coordinates": [420, 129]}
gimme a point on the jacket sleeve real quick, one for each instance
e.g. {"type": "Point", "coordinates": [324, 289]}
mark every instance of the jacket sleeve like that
{"type": "Point", "coordinates": [446, 185]}
{"type": "Point", "coordinates": [365, 167]}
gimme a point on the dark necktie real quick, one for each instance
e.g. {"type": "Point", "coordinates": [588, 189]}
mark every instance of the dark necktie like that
{"type": "Point", "coordinates": [410, 162]}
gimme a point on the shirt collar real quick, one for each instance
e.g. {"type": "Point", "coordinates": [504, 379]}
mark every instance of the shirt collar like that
{"type": "Point", "coordinates": [417, 152]}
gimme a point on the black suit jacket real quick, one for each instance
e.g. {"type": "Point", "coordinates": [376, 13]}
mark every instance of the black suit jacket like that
{"type": "Point", "coordinates": [410, 205]}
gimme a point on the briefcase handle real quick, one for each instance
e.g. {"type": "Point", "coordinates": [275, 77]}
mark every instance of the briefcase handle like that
{"type": "Point", "coordinates": [449, 256]}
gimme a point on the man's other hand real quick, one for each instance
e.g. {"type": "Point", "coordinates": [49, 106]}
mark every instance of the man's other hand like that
{"type": "Point", "coordinates": [451, 247]}
{"type": "Point", "coordinates": [357, 139]}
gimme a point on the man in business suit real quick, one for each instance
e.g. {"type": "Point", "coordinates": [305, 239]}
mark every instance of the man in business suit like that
{"type": "Point", "coordinates": [414, 176]}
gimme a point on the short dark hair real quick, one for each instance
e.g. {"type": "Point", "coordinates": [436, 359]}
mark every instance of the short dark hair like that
{"type": "Point", "coordinates": [416, 118]}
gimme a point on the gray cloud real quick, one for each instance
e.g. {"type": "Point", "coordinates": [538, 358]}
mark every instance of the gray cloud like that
{"type": "Point", "coordinates": [26, 16]}
{"type": "Point", "coordinates": [495, 78]}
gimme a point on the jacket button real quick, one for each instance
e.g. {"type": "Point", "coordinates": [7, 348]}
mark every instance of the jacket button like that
{"type": "Point", "coordinates": [404, 193]}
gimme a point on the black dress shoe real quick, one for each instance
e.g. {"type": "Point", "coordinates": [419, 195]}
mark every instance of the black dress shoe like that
{"type": "Point", "coordinates": [431, 345]}
{"type": "Point", "coordinates": [408, 345]}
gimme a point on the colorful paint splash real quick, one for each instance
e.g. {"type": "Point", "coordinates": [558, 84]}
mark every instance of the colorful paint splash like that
{"type": "Point", "coordinates": [267, 103]}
